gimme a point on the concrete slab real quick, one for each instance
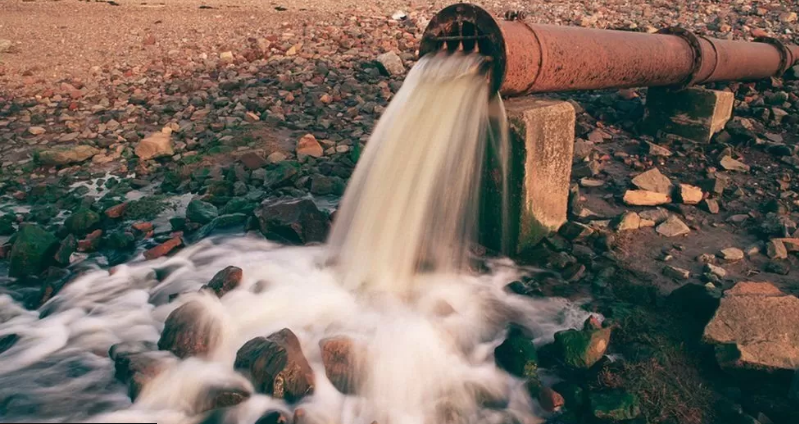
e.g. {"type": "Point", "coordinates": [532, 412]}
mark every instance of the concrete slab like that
{"type": "Point", "coordinates": [693, 113]}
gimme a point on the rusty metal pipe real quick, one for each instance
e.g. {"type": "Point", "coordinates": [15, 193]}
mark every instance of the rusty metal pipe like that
{"type": "Point", "coordinates": [528, 58]}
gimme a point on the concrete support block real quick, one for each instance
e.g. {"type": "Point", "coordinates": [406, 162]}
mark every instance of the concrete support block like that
{"type": "Point", "coordinates": [542, 146]}
{"type": "Point", "coordinates": [693, 113]}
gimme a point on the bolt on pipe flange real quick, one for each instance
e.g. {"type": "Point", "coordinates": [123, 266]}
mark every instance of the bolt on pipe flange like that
{"type": "Point", "coordinates": [786, 55]}
{"type": "Point", "coordinates": [696, 46]}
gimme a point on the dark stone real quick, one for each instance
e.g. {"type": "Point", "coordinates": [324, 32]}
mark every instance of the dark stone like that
{"type": "Point", "coordinates": [276, 366]}
{"type": "Point", "coordinates": [8, 341]}
{"type": "Point", "coordinates": [201, 212]}
{"type": "Point", "coordinates": [573, 395]}
{"type": "Point", "coordinates": [189, 332]}
{"type": "Point", "coordinates": [294, 221]}
{"type": "Point", "coordinates": [615, 406]}
{"type": "Point", "coordinates": [781, 267]}
{"type": "Point", "coordinates": [136, 364]}
{"type": "Point", "coordinates": [7, 225]}
{"type": "Point", "coordinates": [225, 280]}
{"type": "Point", "coordinates": [82, 222]}
{"type": "Point", "coordinates": [697, 299]}
{"type": "Point", "coordinates": [229, 220]}
{"type": "Point", "coordinates": [517, 354]}
{"type": "Point", "coordinates": [68, 246]}
{"type": "Point", "coordinates": [581, 349]}
{"type": "Point", "coordinates": [281, 174]}
{"type": "Point", "coordinates": [178, 223]}
{"type": "Point", "coordinates": [221, 397]}
{"type": "Point", "coordinates": [238, 205]}
{"type": "Point", "coordinates": [273, 417]}
{"type": "Point", "coordinates": [322, 185]}
{"type": "Point", "coordinates": [32, 251]}
{"type": "Point", "coordinates": [120, 240]}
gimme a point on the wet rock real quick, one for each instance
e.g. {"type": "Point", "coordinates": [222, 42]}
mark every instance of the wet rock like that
{"type": "Point", "coordinates": [654, 181]}
{"type": "Point", "coordinates": [629, 221]}
{"type": "Point", "coordinates": [731, 254]}
{"type": "Point", "coordinates": [137, 364]}
{"type": "Point", "coordinates": [189, 331]}
{"type": "Point", "coordinates": [690, 195]}
{"type": "Point", "coordinates": [645, 198]}
{"type": "Point", "coordinates": [201, 212]}
{"type": "Point", "coordinates": [295, 221]}
{"type": "Point", "coordinates": [793, 392]}
{"type": "Point", "coordinates": [221, 397]}
{"type": "Point", "coordinates": [615, 406]}
{"type": "Point", "coordinates": [8, 341]}
{"type": "Point", "coordinates": [67, 155]}
{"type": "Point", "coordinates": [82, 221]}
{"type": "Point", "coordinates": [517, 354]}
{"type": "Point", "coordinates": [730, 164]}
{"type": "Point", "coordinates": [65, 250]}
{"type": "Point", "coordinates": [225, 280]}
{"type": "Point", "coordinates": [391, 64]}
{"type": "Point", "coordinates": [341, 358]}
{"type": "Point", "coordinates": [754, 327]}
{"type": "Point", "coordinates": [156, 145]}
{"type": "Point", "coordinates": [323, 185]}
{"type": "Point", "coordinates": [581, 349]}
{"type": "Point", "coordinates": [276, 366]}
{"type": "Point", "coordinates": [116, 211]}
{"type": "Point", "coordinates": [281, 174]}
{"type": "Point", "coordinates": [7, 224]}
{"type": "Point", "coordinates": [163, 248]}
{"type": "Point", "coordinates": [32, 251]}
{"type": "Point", "coordinates": [550, 400]}
{"type": "Point", "coordinates": [676, 273]}
{"type": "Point", "coordinates": [307, 146]}
{"type": "Point", "coordinates": [672, 227]}
{"type": "Point", "coordinates": [277, 417]}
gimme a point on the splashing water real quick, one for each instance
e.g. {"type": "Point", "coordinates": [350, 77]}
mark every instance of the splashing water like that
{"type": "Point", "coordinates": [429, 336]}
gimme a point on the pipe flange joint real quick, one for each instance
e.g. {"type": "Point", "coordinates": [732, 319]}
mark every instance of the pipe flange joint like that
{"type": "Point", "coordinates": [696, 46]}
{"type": "Point", "coordinates": [786, 56]}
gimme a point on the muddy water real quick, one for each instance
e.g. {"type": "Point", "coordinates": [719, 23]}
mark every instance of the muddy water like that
{"type": "Point", "coordinates": [394, 277]}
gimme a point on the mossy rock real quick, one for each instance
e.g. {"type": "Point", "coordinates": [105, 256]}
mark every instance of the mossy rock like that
{"type": "Point", "coordinates": [7, 224]}
{"type": "Point", "coordinates": [146, 208]}
{"type": "Point", "coordinates": [82, 221]}
{"type": "Point", "coordinates": [32, 251]}
{"type": "Point", "coordinates": [120, 240]}
{"type": "Point", "coordinates": [616, 405]}
{"type": "Point", "coordinates": [581, 349]}
{"type": "Point", "coordinates": [281, 174]}
{"type": "Point", "coordinates": [239, 205]}
{"type": "Point", "coordinates": [65, 250]}
{"type": "Point", "coordinates": [43, 214]}
{"type": "Point", "coordinates": [573, 394]}
{"type": "Point", "coordinates": [201, 212]}
{"type": "Point", "coordinates": [517, 354]}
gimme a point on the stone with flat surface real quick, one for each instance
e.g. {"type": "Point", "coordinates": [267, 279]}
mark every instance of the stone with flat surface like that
{"type": "Point", "coordinates": [693, 113]}
{"type": "Point", "coordinates": [542, 143]}
{"type": "Point", "coordinates": [755, 328]}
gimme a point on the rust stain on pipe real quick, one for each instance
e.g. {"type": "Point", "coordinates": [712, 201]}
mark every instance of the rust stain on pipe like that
{"type": "Point", "coordinates": [544, 58]}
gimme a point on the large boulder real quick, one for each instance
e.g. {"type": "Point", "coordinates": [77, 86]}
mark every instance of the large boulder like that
{"type": "Point", "coordinates": [190, 331]}
{"type": "Point", "coordinates": [517, 354]}
{"type": "Point", "coordinates": [67, 155]}
{"type": "Point", "coordinates": [755, 327]}
{"type": "Point", "coordinates": [276, 366]}
{"type": "Point", "coordinates": [581, 349]}
{"type": "Point", "coordinates": [154, 146]}
{"type": "Point", "coordinates": [294, 221]}
{"type": "Point", "coordinates": [32, 252]}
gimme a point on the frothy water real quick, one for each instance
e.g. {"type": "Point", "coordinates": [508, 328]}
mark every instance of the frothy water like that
{"type": "Point", "coordinates": [396, 285]}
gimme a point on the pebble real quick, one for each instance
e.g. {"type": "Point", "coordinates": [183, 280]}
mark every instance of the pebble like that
{"type": "Point", "coordinates": [775, 249]}
{"type": "Point", "coordinates": [37, 130]}
{"type": "Point", "coordinates": [716, 270]}
{"type": "Point", "coordinates": [730, 164]}
{"type": "Point", "coordinates": [653, 180]}
{"type": "Point", "coordinates": [690, 195]}
{"type": "Point", "coordinates": [645, 198]}
{"type": "Point", "coordinates": [732, 254]}
{"type": "Point", "coordinates": [672, 227]}
{"type": "Point", "coordinates": [676, 273]}
{"type": "Point", "coordinates": [629, 221]}
{"type": "Point", "coordinates": [391, 63]}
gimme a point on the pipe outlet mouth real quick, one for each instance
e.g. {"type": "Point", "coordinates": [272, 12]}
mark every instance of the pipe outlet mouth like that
{"type": "Point", "coordinates": [467, 28]}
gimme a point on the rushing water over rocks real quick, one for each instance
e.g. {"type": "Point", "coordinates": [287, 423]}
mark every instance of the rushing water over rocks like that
{"type": "Point", "coordinates": [290, 330]}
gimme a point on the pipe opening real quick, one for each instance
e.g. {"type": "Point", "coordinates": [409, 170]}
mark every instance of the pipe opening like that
{"type": "Point", "coordinates": [467, 28]}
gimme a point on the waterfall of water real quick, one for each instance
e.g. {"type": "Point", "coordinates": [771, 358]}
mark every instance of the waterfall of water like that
{"type": "Point", "coordinates": [428, 336]}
